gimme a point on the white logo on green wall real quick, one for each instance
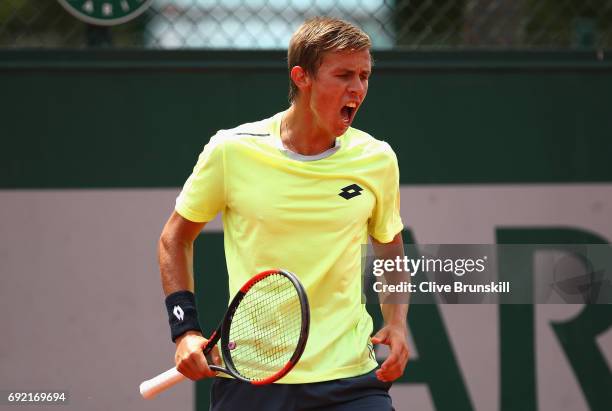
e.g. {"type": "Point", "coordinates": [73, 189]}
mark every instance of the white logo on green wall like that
{"type": "Point", "coordinates": [105, 12]}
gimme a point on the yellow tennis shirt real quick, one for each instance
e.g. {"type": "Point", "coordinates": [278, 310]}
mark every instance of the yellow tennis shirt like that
{"type": "Point", "coordinates": [309, 215]}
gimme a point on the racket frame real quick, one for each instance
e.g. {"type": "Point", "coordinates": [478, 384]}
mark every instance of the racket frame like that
{"type": "Point", "coordinates": [223, 330]}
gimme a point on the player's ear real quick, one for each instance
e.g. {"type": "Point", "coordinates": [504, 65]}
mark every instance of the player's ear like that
{"type": "Point", "coordinates": [300, 77]}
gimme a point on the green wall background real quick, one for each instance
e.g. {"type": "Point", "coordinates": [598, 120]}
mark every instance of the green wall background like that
{"type": "Point", "coordinates": [139, 118]}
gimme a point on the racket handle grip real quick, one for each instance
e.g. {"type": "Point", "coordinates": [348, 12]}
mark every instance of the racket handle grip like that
{"type": "Point", "coordinates": [165, 380]}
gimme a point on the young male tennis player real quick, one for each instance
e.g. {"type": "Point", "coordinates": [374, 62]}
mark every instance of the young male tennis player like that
{"type": "Point", "coordinates": [301, 190]}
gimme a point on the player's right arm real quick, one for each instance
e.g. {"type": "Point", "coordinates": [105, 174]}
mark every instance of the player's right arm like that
{"type": "Point", "coordinates": [175, 256]}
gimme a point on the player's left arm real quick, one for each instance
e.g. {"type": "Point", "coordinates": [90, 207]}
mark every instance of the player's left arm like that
{"type": "Point", "coordinates": [394, 333]}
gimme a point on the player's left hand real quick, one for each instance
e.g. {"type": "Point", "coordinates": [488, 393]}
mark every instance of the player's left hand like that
{"type": "Point", "coordinates": [396, 337]}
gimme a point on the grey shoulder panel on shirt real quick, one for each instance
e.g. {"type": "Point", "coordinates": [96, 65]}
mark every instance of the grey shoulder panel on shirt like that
{"type": "Point", "coordinates": [252, 134]}
{"type": "Point", "coordinates": [260, 128]}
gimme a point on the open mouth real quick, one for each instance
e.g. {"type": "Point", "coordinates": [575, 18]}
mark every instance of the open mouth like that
{"type": "Point", "coordinates": [348, 112]}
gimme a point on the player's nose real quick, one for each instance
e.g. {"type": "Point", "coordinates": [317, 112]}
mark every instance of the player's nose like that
{"type": "Point", "coordinates": [357, 86]}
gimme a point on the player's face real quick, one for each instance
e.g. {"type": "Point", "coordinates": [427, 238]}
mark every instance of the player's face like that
{"type": "Point", "coordinates": [338, 89]}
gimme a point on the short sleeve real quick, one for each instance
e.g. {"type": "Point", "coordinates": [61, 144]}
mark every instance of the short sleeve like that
{"type": "Point", "coordinates": [386, 220]}
{"type": "Point", "coordinates": [203, 194]}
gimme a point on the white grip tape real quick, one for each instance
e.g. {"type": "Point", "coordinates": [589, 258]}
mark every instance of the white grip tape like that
{"type": "Point", "coordinates": [162, 382]}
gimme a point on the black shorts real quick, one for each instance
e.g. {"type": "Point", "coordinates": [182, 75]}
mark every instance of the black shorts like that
{"type": "Point", "coordinates": [362, 393]}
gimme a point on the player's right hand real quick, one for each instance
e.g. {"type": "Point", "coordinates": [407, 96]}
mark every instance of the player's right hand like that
{"type": "Point", "coordinates": [189, 357]}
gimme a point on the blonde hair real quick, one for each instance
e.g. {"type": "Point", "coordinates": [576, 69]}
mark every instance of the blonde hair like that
{"type": "Point", "coordinates": [317, 36]}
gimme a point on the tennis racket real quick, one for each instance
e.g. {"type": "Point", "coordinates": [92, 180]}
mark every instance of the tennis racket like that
{"type": "Point", "coordinates": [263, 333]}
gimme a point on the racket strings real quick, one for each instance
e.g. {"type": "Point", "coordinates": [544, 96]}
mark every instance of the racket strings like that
{"type": "Point", "coordinates": [265, 328]}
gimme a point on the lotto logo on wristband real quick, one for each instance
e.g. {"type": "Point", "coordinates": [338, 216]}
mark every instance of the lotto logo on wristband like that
{"type": "Point", "coordinates": [178, 312]}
